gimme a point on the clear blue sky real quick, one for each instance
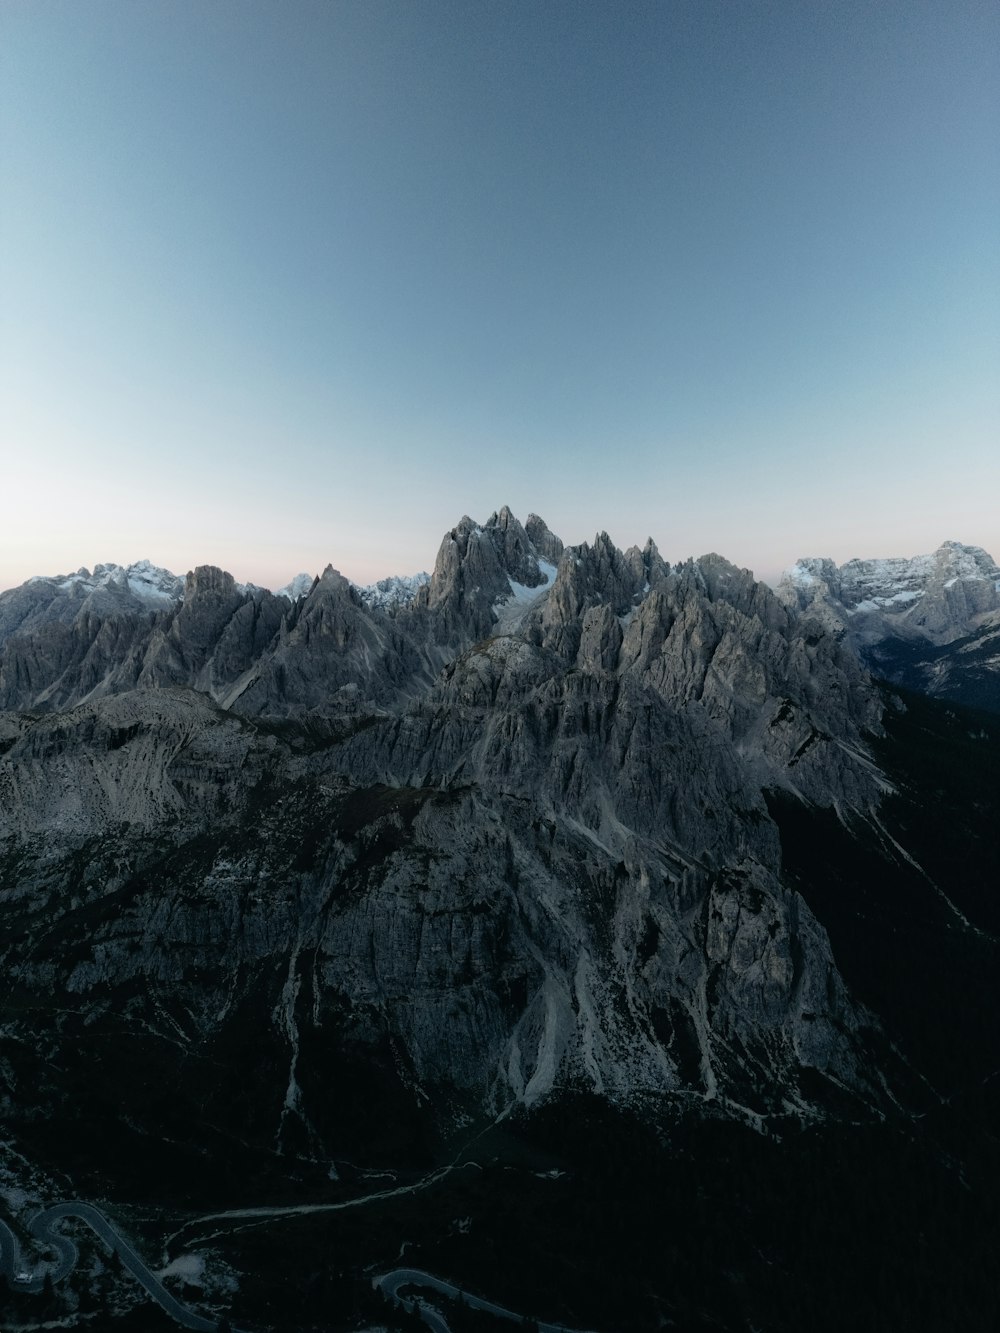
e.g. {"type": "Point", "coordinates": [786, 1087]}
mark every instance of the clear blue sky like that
{"type": "Point", "coordinates": [289, 283]}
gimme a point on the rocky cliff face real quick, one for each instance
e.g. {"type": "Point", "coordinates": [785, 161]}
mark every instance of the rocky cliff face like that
{"type": "Point", "coordinates": [509, 838]}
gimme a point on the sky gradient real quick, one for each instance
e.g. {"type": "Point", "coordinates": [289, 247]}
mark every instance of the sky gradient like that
{"type": "Point", "coordinates": [289, 284]}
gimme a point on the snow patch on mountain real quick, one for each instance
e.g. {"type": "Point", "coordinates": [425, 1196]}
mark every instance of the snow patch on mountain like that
{"type": "Point", "coordinates": [511, 609]}
{"type": "Point", "coordinates": [905, 595]}
{"type": "Point", "coordinates": [524, 595]}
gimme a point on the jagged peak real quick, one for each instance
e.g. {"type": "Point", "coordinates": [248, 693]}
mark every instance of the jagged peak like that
{"type": "Point", "coordinates": [544, 540]}
{"type": "Point", "coordinates": [208, 579]}
{"type": "Point", "coordinates": [332, 579]}
{"type": "Point", "coordinates": [939, 596]}
{"type": "Point", "coordinates": [963, 546]}
{"type": "Point", "coordinates": [504, 518]}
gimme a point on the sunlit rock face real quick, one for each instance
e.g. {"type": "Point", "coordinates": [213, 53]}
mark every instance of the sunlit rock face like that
{"type": "Point", "coordinates": [510, 830]}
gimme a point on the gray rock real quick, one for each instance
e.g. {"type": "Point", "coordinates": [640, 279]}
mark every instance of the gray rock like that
{"type": "Point", "coordinates": [518, 827]}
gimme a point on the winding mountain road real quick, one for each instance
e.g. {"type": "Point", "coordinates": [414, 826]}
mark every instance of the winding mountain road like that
{"type": "Point", "coordinates": [42, 1227]}
{"type": "Point", "coordinates": [392, 1283]}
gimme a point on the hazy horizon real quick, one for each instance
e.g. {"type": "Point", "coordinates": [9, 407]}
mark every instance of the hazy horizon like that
{"type": "Point", "coordinates": [290, 285]}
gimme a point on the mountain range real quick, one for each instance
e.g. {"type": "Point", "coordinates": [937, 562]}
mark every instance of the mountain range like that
{"type": "Point", "coordinates": [298, 887]}
{"type": "Point", "coordinates": [931, 622]}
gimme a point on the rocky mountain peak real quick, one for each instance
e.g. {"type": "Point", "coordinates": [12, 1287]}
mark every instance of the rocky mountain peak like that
{"type": "Point", "coordinates": [478, 570]}
{"type": "Point", "coordinates": [647, 564]}
{"type": "Point", "coordinates": [504, 518]}
{"type": "Point", "coordinates": [937, 598]}
{"type": "Point", "coordinates": [587, 576]}
{"type": "Point", "coordinates": [517, 554]}
{"type": "Point", "coordinates": [546, 543]}
{"type": "Point", "coordinates": [136, 589]}
{"type": "Point", "coordinates": [208, 581]}
{"type": "Point", "coordinates": [331, 580]}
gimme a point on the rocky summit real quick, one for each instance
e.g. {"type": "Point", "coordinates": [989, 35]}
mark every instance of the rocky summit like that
{"type": "Point", "coordinates": [355, 873]}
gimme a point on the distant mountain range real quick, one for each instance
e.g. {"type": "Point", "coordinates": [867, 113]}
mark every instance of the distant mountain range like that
{"type": "Point", "coordinates": [929, 622]}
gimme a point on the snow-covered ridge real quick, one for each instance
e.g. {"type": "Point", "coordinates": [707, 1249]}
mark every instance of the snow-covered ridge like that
{"type": "Point", "coordinates": [940, 596]}
{"type": "Point", "coordinates": [143, 579]}
{"type": "Point", "coordinates": [887, 579]}
{"type": "Point", "coordinates": [160, 588]}
{"type": "Point", "coordinates": [396, 590]}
